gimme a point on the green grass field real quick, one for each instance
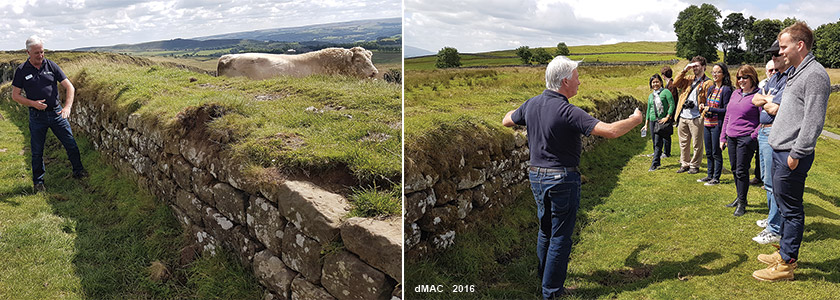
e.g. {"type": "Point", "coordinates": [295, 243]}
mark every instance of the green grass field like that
{"type": "Point", "coordinates": [639, 235]}
{"type": "Point", "coordinates": [647, 235]}
{"type": "Point", "coordinates": [94, 238]}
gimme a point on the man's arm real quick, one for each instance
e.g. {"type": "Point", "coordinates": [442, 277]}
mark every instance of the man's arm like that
{"type": "Point", "coordinates": [70, 93]}
{"type": "Point", "coordinates": [618, 128]}
{"type": "Point", "coordinates": [19, 98]}
{"type": "Point", "coordinates": [771, 108]}
{"type": "Point", "coordinates": [508, 121]}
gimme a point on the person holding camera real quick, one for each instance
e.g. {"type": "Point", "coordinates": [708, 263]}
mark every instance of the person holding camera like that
{"type": "Point", "coordinates": [740, 122]}
{"type": "Point", "coordinates": [713, 113]}
{"type": "Point", "coordinates": [689, 122]}
{"type": "Point", "coordinates": [660, 107]}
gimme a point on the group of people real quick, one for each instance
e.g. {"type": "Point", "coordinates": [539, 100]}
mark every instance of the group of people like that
{"type": "Point", "coordinates": [739, 116]}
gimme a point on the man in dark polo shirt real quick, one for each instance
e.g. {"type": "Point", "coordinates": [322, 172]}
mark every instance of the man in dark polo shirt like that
{"type": "Point", "coordinates": [554, 128]}
{"type": "Point", "coordinates": [39, 78]}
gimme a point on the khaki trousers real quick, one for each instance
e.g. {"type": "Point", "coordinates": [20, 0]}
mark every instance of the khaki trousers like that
{"type": "Point", "coordinates": [691, 131]}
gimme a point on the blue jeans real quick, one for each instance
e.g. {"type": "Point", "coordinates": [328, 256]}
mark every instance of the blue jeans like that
{"type": "Point", "coordinates": [789, 188]}
{"type": "Point", "coordinates": [658, 143]}
{"type": "Point", "coordinates": [774, 219]}
{"type": "Point", "coordinates": [557, 193]}
{"type": "Point", "coordinates": [39, 122]}
{"type": "Point", "coordinates": [714, 156]}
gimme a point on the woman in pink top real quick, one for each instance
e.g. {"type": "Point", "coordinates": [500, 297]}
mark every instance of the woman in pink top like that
{"type": "Point", "coordinates": [738, 125]}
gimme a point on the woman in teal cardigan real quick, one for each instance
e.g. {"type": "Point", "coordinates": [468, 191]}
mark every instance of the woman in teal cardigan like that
{"type": "Point", "coordinates": [660, 108]}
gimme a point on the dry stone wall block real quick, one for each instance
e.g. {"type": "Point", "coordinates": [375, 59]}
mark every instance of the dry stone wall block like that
{"type": "Point", "coordinates": [439, 218]}
{"type": "Point", "coordinates": [378, 243]}
{"type": "Point", "coordinates": [444, 192]}
{"type": "Point", "coordinates": [412, 235]}
{"type": "Point", "coordinates": [182, 172]}
{"type": "Point", "coordinates": [191, 206]}
{"type": "Point", "coordinates": [196, 153]}
{"type": "Point", "coordinates": [302, 254]}
{"type": "Point", "coordinates": [417, 203]}
{"type": "Point", "coordinates": [272, 273]}
{"type": "Point", "coordinates": [346, 277]}
{"type": "Point", "coordinates": [265, 223]}
{"type": "Point", "coordinates": [202, 185]}
{"type": "Point", "coordinates": [316, 212]}
{"type": "Point", "coordinates": [304, 290]}
{"type": "Point", "coordinates": [216, 223]}
{"type": "Point", "coordinates": [230, 202]}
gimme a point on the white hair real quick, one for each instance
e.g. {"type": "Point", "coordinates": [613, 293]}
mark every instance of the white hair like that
{"type": "Point", "coordinates": [32, 41]}
{"type": "Point", "coordinates": [559, 68]}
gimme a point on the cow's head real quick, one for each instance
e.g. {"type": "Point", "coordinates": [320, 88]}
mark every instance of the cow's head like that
{"type": "Point", "coordinates": [361, 63]}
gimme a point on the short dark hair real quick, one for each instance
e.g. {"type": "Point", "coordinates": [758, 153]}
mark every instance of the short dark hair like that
{"type": "Point", "coordinates": [700, 59]}
{"type": "Point", "coordinates": [799, 31]}
{"type": "Point", "coordinates": [666, 71]}
{"type": "Point", "coordinates": [655, 76]}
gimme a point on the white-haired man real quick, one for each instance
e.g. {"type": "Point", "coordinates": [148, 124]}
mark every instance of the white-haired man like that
{"type": "Point", "coordinates": [39, 78]}
{"type": "Point", "coordinates": [554, 128]}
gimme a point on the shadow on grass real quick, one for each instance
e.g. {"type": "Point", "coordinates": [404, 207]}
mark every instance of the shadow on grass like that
{"type": "Point", "coordinates": [14, 192]}
{"type": "Point", "coordinates": [637, 275]}
{"type": "Point", "coordinates": [830, 199]}
{"type": "Point", "coordinates": [818, 231]}
{"type": "Point", "coordinates": [815, 210]}
{"type": "Point", "coordinates": [824, 271]}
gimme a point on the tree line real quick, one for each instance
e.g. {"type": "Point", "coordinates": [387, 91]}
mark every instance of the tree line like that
{"type": "Point", "coordinates": [742, 39]}
{"type": "Point", "coordinates": [699, 33]}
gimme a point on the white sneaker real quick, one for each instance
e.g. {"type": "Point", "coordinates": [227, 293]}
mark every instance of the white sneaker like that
{"type": "Point", "coordinates": [761, 223]}
{"type": "Point", "coordinates": [766, 237]}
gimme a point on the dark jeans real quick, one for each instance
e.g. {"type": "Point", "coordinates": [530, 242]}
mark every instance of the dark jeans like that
{"type": "Point", "coordinates": [658, 143]}
{"type": "Point", "coordinates": [557, 193]}
{"type": "Point", "coordinates": [788, 188]}
{"type": "Point", "coordinates": [757, 164]}
{"type": "Point", "coordinates": [741, 151]}
{"type": "Point", "coordinates": [714, 156]}
{"type": "Point", "coordinates": [39, 122]}
{"type": "Point", "coordinates": [667, 145]}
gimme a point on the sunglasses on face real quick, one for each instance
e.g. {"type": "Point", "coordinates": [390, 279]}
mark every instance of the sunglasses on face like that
{"type": "Point", "coordinates": [743, 77]}
{"type": "Point", "coordinates": [776, 54]}
{"type": "Point", "coordinates": [773, 70]}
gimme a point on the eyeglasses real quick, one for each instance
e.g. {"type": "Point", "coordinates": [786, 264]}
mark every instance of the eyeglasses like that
{"type": "Point", "coordinates": [773, 70]}
{"type": "Point", "coordinates": [776, 54]}
{"type": "Point", "coordinates": [743, 77]}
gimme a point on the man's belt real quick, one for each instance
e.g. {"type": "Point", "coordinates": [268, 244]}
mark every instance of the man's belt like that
{"type": "Point", "coordinates": [560, 169]}
{"type": "Point", "coordinates": [765, 125]}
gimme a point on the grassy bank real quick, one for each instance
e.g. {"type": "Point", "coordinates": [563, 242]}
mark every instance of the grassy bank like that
{"type": "Point", "coordinates": [304, 127]}
{"type": "Point", "coordinates": [96, 238]}
{"type": "Point", "coordinates": [643, 235]}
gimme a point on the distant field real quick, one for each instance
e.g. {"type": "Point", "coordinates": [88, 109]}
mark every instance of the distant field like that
{"type": "Point", "coordinates": [650, 51]}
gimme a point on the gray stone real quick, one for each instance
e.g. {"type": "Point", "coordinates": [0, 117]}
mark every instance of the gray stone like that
{"type": "Point", "coordinates": [240, 241]}
{"type": "Point", "coordinates": [204, 240]}
{"type": "Point", "coordinates": [347, 277]}
{"type": "Point", "coordinates": [313, 210]}
{"type": "Point", "coordinates": [464, 204]}
{"type": "Point", "coordinates": [216, 223]}
{"type": "Point", "coordinates": [439, 218]}
{"type": "Point", "coordinates": [412, 235]}
{"type": "Point", "coordinates": [265, 223]}
{"type": "Point", "coordinates": [202, 185]}
{"type": "Point", "coordinates": [378, 243]}
{"type": "Point", "coordinates": [416, 204]}
{"type": "Point", "coordinates": [272, 273]}
{"type": "Point", "coordinates": [304, 290]}
{"type": "Point", "coordinates": [190, 205]}
{"type": "Point", "coordinates": [182, 172]}
{"type": "Point", "coordinates": [230, 201]}
{"type": "Point", "coordinates": [473, 178]}
{"type": "Point", "coordinates": [443, 240]}
{"type": "Point", "coordinates": [195, 152]}
{"type": "Point", "coordinates": [302, 254]}
{"type": "Point", "coordinates": [444, 192]}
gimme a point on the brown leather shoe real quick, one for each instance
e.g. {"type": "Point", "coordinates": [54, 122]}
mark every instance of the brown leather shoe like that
{"type": "Point", "coordinates": [776, 272]}
{"type": "Point", "coordinates": [682, 169]}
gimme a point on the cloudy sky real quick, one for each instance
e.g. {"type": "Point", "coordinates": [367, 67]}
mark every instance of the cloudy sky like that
{"type": "Point", "coordinates": [485, 25]}
{"type": "Point", "coordinates": [69, 24]}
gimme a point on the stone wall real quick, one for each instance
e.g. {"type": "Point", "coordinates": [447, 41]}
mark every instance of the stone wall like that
{"type": "Point", "coordinates": [444, 197]}
{"type": "Point", "coordinates": [293, 234]}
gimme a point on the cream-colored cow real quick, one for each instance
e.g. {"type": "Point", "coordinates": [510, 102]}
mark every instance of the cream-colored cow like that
{"type": "Point", "coordinates": [351, 62]}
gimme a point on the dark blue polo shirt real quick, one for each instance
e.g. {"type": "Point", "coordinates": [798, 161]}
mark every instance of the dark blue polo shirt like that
{"type": "Point", "coordinates": [554, 129]}
{"type": "Point", "coordinates": [775, 86]}
{"type": "Point", "coordinates": [39, 84]}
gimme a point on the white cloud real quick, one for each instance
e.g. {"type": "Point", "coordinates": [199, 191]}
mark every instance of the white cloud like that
{"type": "Point", "coordinates": [68, 24]}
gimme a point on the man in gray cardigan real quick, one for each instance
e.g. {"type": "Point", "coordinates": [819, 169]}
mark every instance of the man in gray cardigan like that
{"type": "Point", "coordinates": [798, 124]}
